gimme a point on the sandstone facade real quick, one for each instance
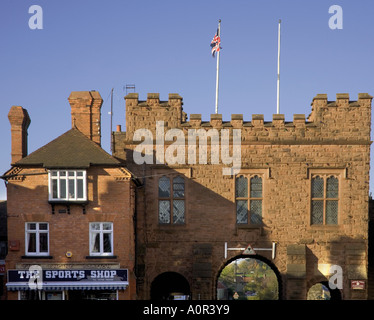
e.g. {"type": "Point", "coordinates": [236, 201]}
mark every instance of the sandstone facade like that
{"type": "Point", "coordinates": [333, 141]}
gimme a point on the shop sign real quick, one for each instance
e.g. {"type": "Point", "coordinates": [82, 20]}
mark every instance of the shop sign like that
{"type": "Point", "coordinates": [357, 284]}
{"type": "Point", "coordinates": [71, 275]}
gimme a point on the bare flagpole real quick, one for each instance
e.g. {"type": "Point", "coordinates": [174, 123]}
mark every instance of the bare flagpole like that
{"type": "Point", "coordinates": [217, 76]}
{"type": "Point", "coordinates": [278, 74]}
{"type": "Point", "coordinates": [111, 121]}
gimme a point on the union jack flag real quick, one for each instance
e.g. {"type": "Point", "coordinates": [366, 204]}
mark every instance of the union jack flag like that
{"type": "Point", "coordinates": [215, 44]}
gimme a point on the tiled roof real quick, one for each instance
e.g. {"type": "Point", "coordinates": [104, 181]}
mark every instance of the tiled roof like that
{"type": "Point", "coordinates": [70, 150]}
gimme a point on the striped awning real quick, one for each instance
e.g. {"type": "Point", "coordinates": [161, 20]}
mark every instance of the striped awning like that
{"type": "Point", "coordinates": [99, 285]}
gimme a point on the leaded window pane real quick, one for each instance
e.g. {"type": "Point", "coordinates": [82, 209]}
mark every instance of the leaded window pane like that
{"type": "Point", "coordinates": [332, 187]}
{"type": "Point", "coordinates": [256, 211]}
{"type": "Point", "coordinates": [331, 212]}
{"type": "Point", "coordinates": [178, 187]}
{"type": "Point", "coordinates": [164, 211]}
{"type": "Point", "coordinates": [164, 187]}
{"type": "Point", "coordinates": [241, 211]}
{"type": "Point", "coordinates": [317, 187]}
{"type": "Point", "coordinates": [178, 211]}
{"type": "Point", "coordinates": [256, 187]}
{"type": "Point", "coordinates": [317, 212]}
{"type": "Point", "coordinates": [241, 188]}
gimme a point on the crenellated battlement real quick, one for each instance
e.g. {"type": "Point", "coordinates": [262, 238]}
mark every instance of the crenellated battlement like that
{"type": "Point", "coordinates": [341, 119]}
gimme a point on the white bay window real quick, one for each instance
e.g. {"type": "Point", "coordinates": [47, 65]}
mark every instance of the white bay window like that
{"type": "Point", "coordinates": [67, 185]}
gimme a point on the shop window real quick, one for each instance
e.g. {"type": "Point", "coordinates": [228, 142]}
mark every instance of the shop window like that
{"type": "Point", "coordinates": [67, 185]}
{"type": "Point", "coordinates": [171, 200]}
{"type": "Point", "coordinates": [37, 238]}
{"type": "Point", "coordinates": [101, 238]}
{"type": "Point", "coordinates": [324, 200]}
{"type": "Point", "coordinates": [249, 200]}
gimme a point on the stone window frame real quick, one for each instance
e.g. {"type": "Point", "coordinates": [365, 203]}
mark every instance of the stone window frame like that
{"type": "Point", "coordinates": [325, 173]}
{"type": "Point", "coordinates": [171, 199]}
{"type": "Point", "coordinates": [250, 173]}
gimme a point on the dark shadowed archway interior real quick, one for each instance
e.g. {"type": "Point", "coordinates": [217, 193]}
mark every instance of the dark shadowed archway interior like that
{"type": "Point", "coordinates": [170, 286]}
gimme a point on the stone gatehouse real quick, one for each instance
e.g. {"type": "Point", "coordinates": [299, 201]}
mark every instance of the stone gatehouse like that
{"type": "Point", "coordinates": [301, 191]}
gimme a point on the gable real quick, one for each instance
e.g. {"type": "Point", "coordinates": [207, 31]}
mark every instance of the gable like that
{"type": "Point", "coordinates": [70, 150]}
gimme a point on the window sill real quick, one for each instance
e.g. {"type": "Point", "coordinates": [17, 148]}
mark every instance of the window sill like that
{"type": "Point", "coordinates": [324, 226]}
{"type": "Point", "coordinates": [101, 257]}
{"type": "Point", "coordinates": [68, 202]}
{"type": "Point", "coordinates": [36, 257]}
{"type": "Point", "coordinates": [249, 226]}
{"type": "Point", "coordinates": [169, 226]}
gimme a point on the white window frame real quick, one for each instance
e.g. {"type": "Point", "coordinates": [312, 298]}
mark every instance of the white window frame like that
{"type": "Point", "coordinates": [101, 233]}
{"type": "Point", "coordinates": [37, 233]}
{"type": "Point", "coordinates": [56, 175]}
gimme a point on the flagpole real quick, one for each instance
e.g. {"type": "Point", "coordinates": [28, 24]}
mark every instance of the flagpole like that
{"type": "Point", "coordinates": [278, 74]}
{"type": "Point", "coordinates": [217, 76]}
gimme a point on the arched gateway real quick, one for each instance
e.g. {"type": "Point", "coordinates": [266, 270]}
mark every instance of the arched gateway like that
{"type": "Point", "coordinates": [170, 286]}
{"type": "Point", "coordinates": [249, 278]}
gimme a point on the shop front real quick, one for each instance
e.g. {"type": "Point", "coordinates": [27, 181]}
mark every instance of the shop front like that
{"type": "Point", "coordinates": [68, 284]}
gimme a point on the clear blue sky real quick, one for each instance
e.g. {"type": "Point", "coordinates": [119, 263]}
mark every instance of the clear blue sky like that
{"type": "Point", "coordinates": [164, 46]}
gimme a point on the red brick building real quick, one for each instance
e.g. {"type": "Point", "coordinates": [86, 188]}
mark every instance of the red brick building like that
{"type": "Point", "coordinates": [300, 198]}
{"type": "Point", "coordinates": [71, 210]}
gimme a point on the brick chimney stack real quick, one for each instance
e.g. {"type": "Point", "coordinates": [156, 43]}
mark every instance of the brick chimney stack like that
{"type": "Point", "coordinates": [19, 120]}
{"type": "Point", "coordinates": [86, 113]}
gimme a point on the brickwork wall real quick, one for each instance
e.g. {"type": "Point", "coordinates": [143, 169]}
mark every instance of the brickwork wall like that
{"type": "Point", "coordinates": [86, 113]}
{"type": "Point", "coordinates": [334, 139]}
{"type": "Point", "coordinates": [111, 199]}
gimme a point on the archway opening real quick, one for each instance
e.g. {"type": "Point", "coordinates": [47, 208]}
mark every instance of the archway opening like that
{"type": "Point", "coordinates": [170, 286]}
{"type": "Point", "coordinates": [244, 278]}
{"type": "Point", "coordinates": [322, 291]}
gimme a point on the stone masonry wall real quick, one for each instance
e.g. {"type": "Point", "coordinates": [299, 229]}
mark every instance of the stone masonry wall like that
{"type": "Point", "coordinates": [334, 139]}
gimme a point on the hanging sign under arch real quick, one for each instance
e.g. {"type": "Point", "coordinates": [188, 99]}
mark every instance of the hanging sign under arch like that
{"type": "Point", "coordinates": [252, 251]}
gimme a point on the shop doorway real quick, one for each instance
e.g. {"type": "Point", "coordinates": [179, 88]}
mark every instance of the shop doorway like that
{"type": "Point", "coordinates": [244, 278]}
{"type": "Point", "coordinates": [170, 286]}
